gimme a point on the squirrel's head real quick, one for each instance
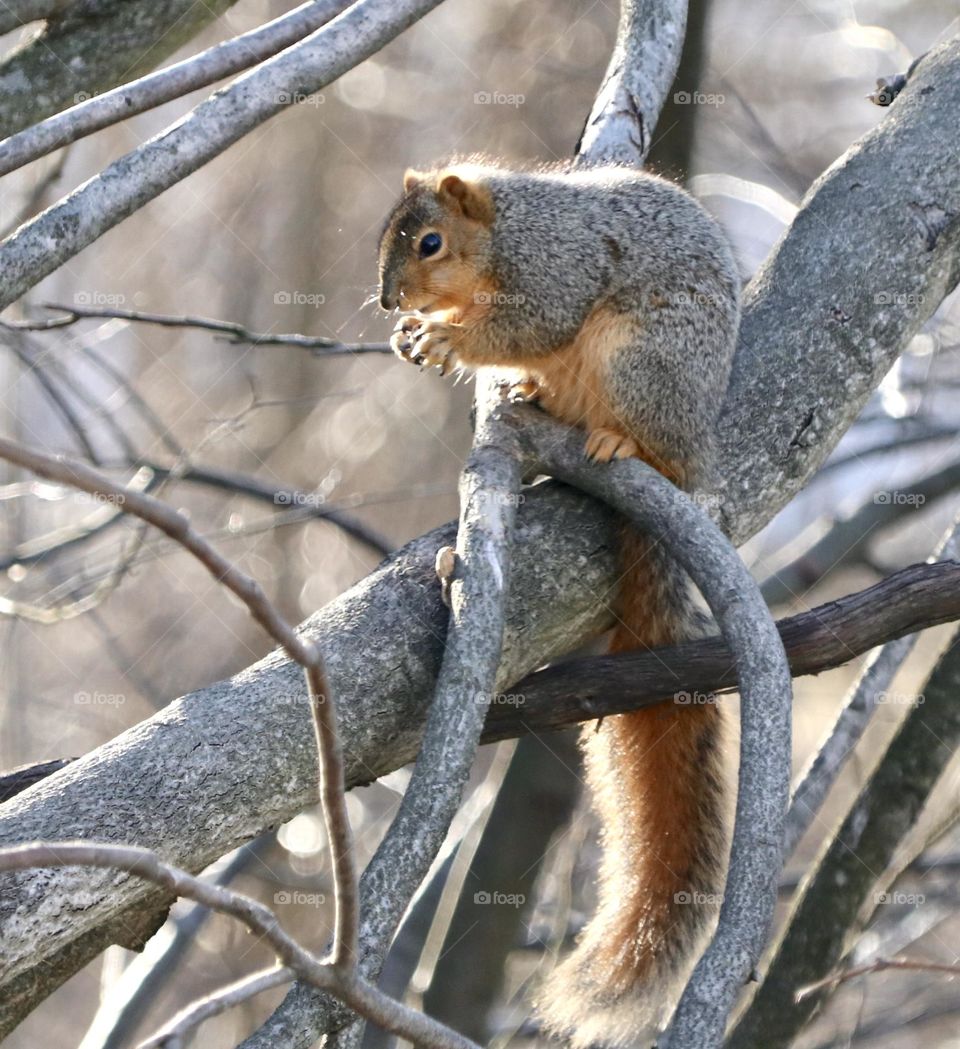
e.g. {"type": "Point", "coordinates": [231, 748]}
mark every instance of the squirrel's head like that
{"type": "Point", "coordinates": [434, 249]}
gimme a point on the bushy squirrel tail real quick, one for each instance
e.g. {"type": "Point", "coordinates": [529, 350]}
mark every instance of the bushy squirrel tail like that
{"type": "Point", "coordinates": [656, 778]}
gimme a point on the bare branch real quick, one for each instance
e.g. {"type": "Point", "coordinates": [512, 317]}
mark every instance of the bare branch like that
{"type": "Point", "coordinates": [879, 966]}
{"type": "Point", "coordinates": [848, 539]}
{"type": "Point", "coordinates": [340, 981]}
{"type": "Point", "coordinates": [23, 350]}
{"type": "Point", "coordinates": [234, 994]}
{"type": "Point", "coordinates": [172, 523]}
{"type": "Point", "coordinates": [18, 779]}
{"type": "Point", "coordinates": [143, 980]}
{"type": "Point", "coordinates": [828, 636]}
{"type": "Point", "coordinates": [37, 195]}
{"type": "Point", "coordinates": [17, 13]}
{"type": "Point", "coordinates": [319, 344]}
{"type": "Point", "coordinates": [577, 690]}
{"type": "Point", "coordinates": [41, 246]}
{"type": "Point", "coordinates": [635, 85]}
{"type": "Point", "coordinates": [323, 712]}
{"type": "Point", "coordinates": [811, 351]}
{"type": "Point", "coordinates": [849, 879]}
{"type": "Point", "coordinates": [110, 107]}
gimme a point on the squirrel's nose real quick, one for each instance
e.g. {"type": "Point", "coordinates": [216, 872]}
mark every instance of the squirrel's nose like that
{"type": "Point", "coordinates": [386, 301]}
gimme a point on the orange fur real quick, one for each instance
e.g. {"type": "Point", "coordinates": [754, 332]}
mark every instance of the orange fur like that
{"type": "Point", "coordinates": [572, 386]}
{"type": "Point", "coordinates": [653, 773]}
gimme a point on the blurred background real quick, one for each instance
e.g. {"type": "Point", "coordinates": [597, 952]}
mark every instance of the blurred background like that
{"type": "Point", "coordinates": [279, 235]}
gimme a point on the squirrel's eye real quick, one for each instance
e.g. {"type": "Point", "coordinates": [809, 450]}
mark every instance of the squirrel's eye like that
{"type": "Point", "coordinates": [430, 244]}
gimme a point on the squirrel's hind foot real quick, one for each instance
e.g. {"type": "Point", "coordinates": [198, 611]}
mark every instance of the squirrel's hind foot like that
{"type": "Point", "coordinates": [604, 444]}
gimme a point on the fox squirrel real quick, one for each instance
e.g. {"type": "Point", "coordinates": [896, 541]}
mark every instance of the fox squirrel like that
{"type": "Point", "coordinates": [614, 299]}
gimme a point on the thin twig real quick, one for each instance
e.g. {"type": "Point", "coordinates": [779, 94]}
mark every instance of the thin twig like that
{"type": "Point", "coordinates": [331, 771]}
{"type": "Point", "coordinates": [337, 980]}
{"type": "Point", "coordinates": [879, 966]}
{"type": "Point", "coordinates": [142, 981]}
{"type": "Point", "coordinates": [25, 352]}
{"type": "Point", "coordinates": [234, 994]}
{"type": "Point", "coordinates": [851, 722]}
{"type": "Point", "coordinates": [238, 333]}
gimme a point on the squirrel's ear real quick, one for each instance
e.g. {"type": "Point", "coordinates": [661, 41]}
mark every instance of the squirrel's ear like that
{"type": "Point", "coordinates": [411, 178]}
{"type": "Point", "coordinates": [474, 201]}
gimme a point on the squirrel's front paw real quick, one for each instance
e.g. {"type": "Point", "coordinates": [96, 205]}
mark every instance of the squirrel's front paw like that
{"type": "Point", "coordinates": [425, 342]}
{"type": "Point", "coordinates": [604, 445]}
{"type": "Point", "coordinates": [402, 340]}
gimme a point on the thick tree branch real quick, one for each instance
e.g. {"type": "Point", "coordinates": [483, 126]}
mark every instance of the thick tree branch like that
{"type": "Point", "coordinates": [477, 580]}
{"type": "Point", "coordinates": [43, 245]}
{"type": "Point", "coordinates": [811, 351]}
{"type": "Point", "coordinates": [577, 690]}
{"type": "Point", "coordinates": [638, 77]}
{"type": "Point", "coordinates": [89, 47]}
{"type": "Point", "coordinates": [224, 59]}
{"type": "Point", "coordinates": [828, 636]}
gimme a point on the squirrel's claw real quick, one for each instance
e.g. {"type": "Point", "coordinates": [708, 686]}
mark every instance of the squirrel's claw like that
{"type": "Point", "coordinates": [403, 341]}
{"type": "Point", "coordinates": [433, 344]}
{"type": "Point", "coordinates": [424, 342]}
{"type": "Point", "coordinates": [603, 445]}
{"type": "Point", "coordinates": [526, 391]}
